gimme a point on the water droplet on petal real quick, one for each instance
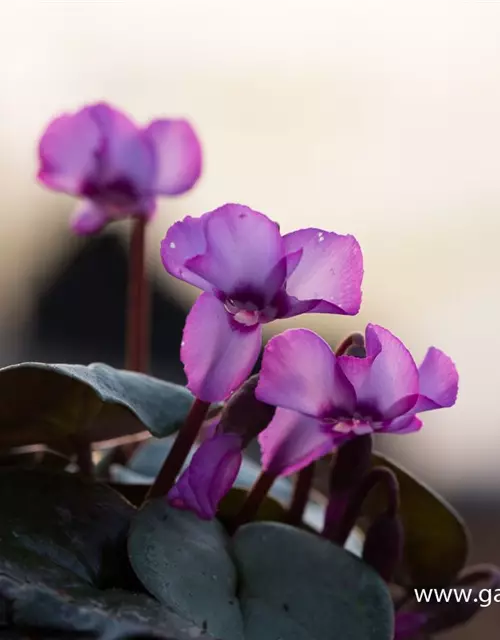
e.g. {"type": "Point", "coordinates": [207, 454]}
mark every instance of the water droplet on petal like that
{"type": "Point", "coordinates": [172, 245]}
{"type": "Point", "coordinates": [321, 236]}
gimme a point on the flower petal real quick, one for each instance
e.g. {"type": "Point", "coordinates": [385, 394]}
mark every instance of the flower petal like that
{"type": "Point", "coordinates": [67, 151]}
{"type": "Point", "coordinates": [404, 424]}
{"type": "Point", "coordinates": [391, 389]}
{"type": "Point", "coordinates": [185, 240]}
{"type": "Point", "coordinates": [300, 372]}
{"type": "Point", "coordinates": [209, 476]}
{"type": "Point", "coordinates": [218, 353]}
{"type": "Point", "coordinates": [125, 156]}
{"type": "Point", "coordinates": [177, 155]}
{"type": "Point", "coordinates": [330, 272]}
{"type": "Point", "coordinates": [88, 218]}
{"type": "Point", "coordinates": [292, 441]}
{"type": "Point", "coordinates": [438, 381]}
{"type": "Point", "coordinates": [244, 256]}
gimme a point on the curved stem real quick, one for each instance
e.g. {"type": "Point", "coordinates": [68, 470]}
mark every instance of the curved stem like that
{"type": "Point", "coordinates": [356, 339]}
{"type": "Point", "coordinates": [254, 499]}
{"type": "Point", "coordinates": [179, 451]}
{"type": "Point", "coordinates": [378, 475]}
{"type": "Point", "coordinates": [137, 340]}
{"type": "Point", "coordinates": [301, 495]}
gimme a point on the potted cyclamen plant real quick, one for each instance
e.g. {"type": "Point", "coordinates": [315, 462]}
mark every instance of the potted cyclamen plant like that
{"type": "Point", "coordinates": [187, 554]}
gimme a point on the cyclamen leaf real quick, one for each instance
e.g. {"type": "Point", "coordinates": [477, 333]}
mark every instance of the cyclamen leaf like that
{"type": "Point", "coordinates": [291, 584]}
{"type": "Point", "coordinates": [76, 525]}
{"type": "Point", "coordinates": [185, 563]}
{"type": "Point", "coordinates": [306, 580]}
{"type": "Point", "coordinates": [49, 402]}
{"type": "Point", "coordinates": [60, 538]}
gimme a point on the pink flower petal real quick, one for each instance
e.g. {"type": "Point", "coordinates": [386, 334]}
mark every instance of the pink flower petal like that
{"type": "Point", "coordinates": [88, 218]}
{"type": "Point", "coordinates": [177, 155]}
{"type": "Point", "coordinates": [438, 381]}
{"type": "Point", "coordinates": [300, 372]}
{"type": "Point", "coordinates": [185, 240]}
{"type": "Point", "coordinates": [292, 441]}
{"type": "Point", "coordinates": [209, 476]}
{"type": "Point", "coordinates": [404, 424]}
{"type": "Point", "coordinates": [244, 255]}
{"type": "Point", "coordinates": [125, 154]}
{"type": "Point", "coordinates": [218, 353]}
{"type": "Point", "coordinates": [329, 273]}
{"type": "Point", "coordinates": [392, 386]}
{"type": "Point", "coordinates": [67, 151]}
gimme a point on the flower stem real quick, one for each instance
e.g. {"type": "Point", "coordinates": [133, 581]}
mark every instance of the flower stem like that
{"type": "Point", "coordinates": [84, 460]}
{"type": "Point", "coordinates": [137, 341]}
{"type": "Point", "coordinates": [300, 495]}
{"type": "Point", "coordinates": [355, 339]}
{"type": "Point", "coordinates": [254, 499]}
{"type": "Point", "coordinates": [179, 451]}
{"type": "Point", "coordinates": [377, 476]}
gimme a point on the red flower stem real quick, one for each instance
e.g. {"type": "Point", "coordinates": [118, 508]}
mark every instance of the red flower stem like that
{"type": "Point", "coordinates": [354, 339]}
{"type": "Point", "coordinates": [137, 340]}
{"type": "Point", "coordinates": [300, 495]}
{"type": "Point", "coordinates": [254, 499]}
{"type": "Point", "coordinates": [178, 453]}
{"type": "Point", "coordinates": [84, 460]}
{"type": "Point", "coordinates": [378, 475]}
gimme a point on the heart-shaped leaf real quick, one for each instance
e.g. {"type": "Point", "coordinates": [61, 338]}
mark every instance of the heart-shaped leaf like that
{"type": "Point", "coordinates": [298, 577]}
{"type": "Point", "coordinates": [436, 540]}
{"type": "Point", "coordinates": [185, 563]}
{"type": "Point", "coordinates": [50, 402]}
{"type": "Point", "coordinates": [59, 537]}
{"type": "Point", "coordinates": [77, 525]}
{"type": "Point", "coordinates": [291, 584]}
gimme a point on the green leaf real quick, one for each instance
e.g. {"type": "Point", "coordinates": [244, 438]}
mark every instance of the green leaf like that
{"type": "Point", "coordinates": [59, 537]}
{"type": "Point", "coordinates": [75, 525]}
{"type": "Point", "coordinates": [291, 584]}
{"type": "Point", "coordinates": [185, 563]}
{"type": "Point", "coordinates": [301, 578]}
{"type": "Point", "coordinates": [38, 594]}
{"type": "Point", "coordinates": [48, 402]}
{"type": "Point", "coordinates": [436, 539]}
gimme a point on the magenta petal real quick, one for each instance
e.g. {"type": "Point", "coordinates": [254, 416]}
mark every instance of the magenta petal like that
{"type": "Point", "coordinates": [300, 372]}
{"type": "Point", "coordinates": [244, 254]}
{"type": "Point", "coordinates": [330, 272]}
{"type": "Point", "coordinates": [292, 441]}
{"type": "Point", "coordinates": [209, 476]}
{"type": "Point", "coordinates": [399, 426]}
{"type": "Point", "coordinates": [177, 155]}
{"type": "Point", "coordinates": [392, 386]}
{"type": "Point", "coordinates": [438, 381]}
{"type": "Point", "coordinates": [67, 151]}
{"type": "Point", "coordinates": [88, 218]}
{"type": "Point", "coordinates": [185, 240]}
{"type": "Point", "coordinates": [125, 154]}
{"type": "Point", "coordinates": [218, 354]}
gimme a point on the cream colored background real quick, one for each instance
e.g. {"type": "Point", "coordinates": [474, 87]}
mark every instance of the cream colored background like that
{"type": "Point", "coordinates": [379, 118]}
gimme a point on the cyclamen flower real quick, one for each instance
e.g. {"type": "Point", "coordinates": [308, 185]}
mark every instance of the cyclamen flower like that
{"type": "Point", "coordinates": [215, 465]}
{"type": "Point", "coordinates": [118, 168]}
{"type": "Point", "coordinates": [209, 476]}
{"type": "Point", "coordinates": [326, 400]}
{"type": "Point", "coordinates": [250, 275]}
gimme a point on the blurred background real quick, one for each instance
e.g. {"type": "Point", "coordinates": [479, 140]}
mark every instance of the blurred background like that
{"type": "Point", "coordinates": [380, 119]}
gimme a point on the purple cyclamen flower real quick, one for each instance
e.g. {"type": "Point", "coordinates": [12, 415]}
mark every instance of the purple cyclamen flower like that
{"type": "Point", "coordinates": [215, 465]}
{"type": "Point", "coordinates": [326, 400]}
{"type": "Point", "coordinates": [251, 274]}
{"type": "Point", "coordinates": [209, 476]}
{"type": "Point", "coordinates": [118, 168]}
